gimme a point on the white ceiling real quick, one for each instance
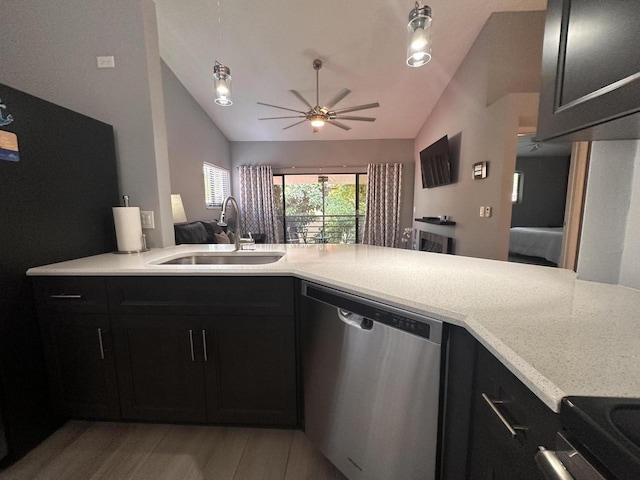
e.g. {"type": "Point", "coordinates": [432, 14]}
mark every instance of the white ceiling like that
{"type": "Point", "coordinates": [270, 45]}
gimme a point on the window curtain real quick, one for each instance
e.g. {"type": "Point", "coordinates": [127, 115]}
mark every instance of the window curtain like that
{"type": "Point", "coordinates": [384, 186]}
{"type": "Point", "coordinates": [256, 198]}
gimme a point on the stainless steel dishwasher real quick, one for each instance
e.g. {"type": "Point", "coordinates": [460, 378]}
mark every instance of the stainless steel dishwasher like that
{"type": "Point", "coordinates": [371, 385]}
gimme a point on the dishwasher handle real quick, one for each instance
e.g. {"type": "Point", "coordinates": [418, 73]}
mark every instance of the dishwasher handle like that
{"type": "Point", "coordinates": [354, 320]}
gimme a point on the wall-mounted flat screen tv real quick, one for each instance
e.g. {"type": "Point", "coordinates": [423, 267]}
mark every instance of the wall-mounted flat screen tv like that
{"type": "Point", "coordinates": [435, 164]}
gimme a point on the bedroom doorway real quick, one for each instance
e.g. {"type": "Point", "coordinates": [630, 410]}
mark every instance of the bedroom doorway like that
{"type": "Point", "coordinates": [547, 199]}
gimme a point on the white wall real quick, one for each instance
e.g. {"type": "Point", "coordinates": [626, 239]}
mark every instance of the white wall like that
{"type": "Point", "coordinates": [610, 240]}
{"type": "Point", "coordinates": [193, 138]}
{"type": "Point", "coordinates": [490, 96]}
{"type": "Point", "coordinates": [331, 156]}
{"type": "Point", "coordinates": [630, 268]}
{"type": "Point", "coordinates": [606, 210]}
{"type": "Point", "coordinates": [49, 49]}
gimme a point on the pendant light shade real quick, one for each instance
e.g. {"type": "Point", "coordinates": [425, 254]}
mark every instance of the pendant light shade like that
{"type": "Point", "coordinates": [222, 84]}
{"type": "Point", "coordinates": [419, 36]}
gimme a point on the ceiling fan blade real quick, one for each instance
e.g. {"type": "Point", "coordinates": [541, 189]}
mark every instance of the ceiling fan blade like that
{"type": "Point", "coordinates": [302, 99]}
{"type": "Point", "coordinates": [277, 118]}
{"type": "Point", "coordinates": [297, 123]}
{"type": "Point", "coordinates": [360, 119]}
{"type": "Point", "coordinates": [343, 93]}
{"type": "Point", "coordinates": [338, 124]}
{"type": "Point", "coordinates": [281, 108]}
{"type": "Point", "coordinates": [359, 107]}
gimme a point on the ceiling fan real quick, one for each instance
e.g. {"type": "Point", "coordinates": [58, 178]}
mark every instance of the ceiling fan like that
{"type": "Point", "coordinates": [318, 115]}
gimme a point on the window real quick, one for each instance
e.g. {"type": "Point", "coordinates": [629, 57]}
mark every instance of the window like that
{"type": "Point", "coordinates": [216, 185]}
{"type": "Point", "coordinates": [516, 192]}
{"type": "Point", "coordinates": [327, 208]}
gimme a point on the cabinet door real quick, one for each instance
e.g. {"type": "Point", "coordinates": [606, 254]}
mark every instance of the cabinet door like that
{"type": "Point", "coordinates": [250, 371]}
{"type": "Point", "coordinates": [81, 365]}
{"type": "Point", "coordinates": [495, 452]}
{"type": "Point", "coordinates": [590, 71]}
{"type": "Point", "coordinates": [159, 361]}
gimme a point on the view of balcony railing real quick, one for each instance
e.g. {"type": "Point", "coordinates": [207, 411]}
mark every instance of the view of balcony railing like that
{"type": "Point", "coordinates": [322, 228]}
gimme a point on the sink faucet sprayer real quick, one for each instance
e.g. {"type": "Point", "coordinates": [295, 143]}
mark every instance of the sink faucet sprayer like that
{"type": "Point", "coordinates": [223, 223]}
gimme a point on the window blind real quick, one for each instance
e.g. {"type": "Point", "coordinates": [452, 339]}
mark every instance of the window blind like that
{"type": "Point", "coordinates": [216, 185]}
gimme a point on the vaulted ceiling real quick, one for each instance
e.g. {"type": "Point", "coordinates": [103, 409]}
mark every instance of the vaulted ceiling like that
{"type": "Point", "coordinates": [270, 46]}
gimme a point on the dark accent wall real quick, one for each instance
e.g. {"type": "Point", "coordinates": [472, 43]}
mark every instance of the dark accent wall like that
{"type": "Point", "coordinates": [544, 192]}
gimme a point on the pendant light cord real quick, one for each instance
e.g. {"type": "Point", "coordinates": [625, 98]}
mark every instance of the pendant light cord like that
{"type": "Point", "coordinates": [219, 30]}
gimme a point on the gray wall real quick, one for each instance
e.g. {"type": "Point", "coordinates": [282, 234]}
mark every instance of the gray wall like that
{"type": "Point", "coordinates": [331, 156]}
{"type": "Point", "coordinates": [544, 192]}
{"type": "Point", "coordinates": [504, 63]}
{"type": "Point", "coordinates": [49, 49]}
{"type": "Point", "coordinates": [604, 250]}
{"type": "Point", "coordinates": [630, 268]}
{"type": "Point", "coordinates": [193, 138]}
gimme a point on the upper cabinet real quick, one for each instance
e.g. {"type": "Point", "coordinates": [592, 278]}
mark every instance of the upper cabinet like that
{"type": "Point", "coordinates": [590, 71]}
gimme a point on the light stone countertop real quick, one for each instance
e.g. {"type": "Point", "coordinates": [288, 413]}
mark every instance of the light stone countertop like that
{"type": "Point", "coordinates": [560, 336]}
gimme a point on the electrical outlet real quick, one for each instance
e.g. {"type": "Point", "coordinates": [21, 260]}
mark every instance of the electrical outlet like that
{"type": "Point", "coordinates": [487, 211]}
{"type": "Point", "coordinates": [146, 219]}
{"type": "Point", "coordinates": [482, 211]}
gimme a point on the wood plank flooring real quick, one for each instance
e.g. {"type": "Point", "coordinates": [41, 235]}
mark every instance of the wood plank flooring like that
{"type": "Point", "coordinates": [133, 451]}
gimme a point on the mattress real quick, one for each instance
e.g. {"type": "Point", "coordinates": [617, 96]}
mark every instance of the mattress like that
{"type": "Point", "coordinates": [537, 242]}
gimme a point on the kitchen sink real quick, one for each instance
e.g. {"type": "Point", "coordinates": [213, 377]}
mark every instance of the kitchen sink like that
{"type": "Point", "coordinates": [227, 258]}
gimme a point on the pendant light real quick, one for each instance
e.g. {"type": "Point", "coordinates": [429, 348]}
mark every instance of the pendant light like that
{"type": "Point", "coordinates": [419, 36]}
{"type": "Point", "coordinates": [222, 84]}
{"type": "Point", "coordinates": [221, 73]}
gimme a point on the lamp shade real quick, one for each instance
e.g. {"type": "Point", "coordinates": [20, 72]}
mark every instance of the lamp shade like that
{"type": "Point", "coordinates": [177, 208]}
{"type": "Point", "coordinates": [419, 36]}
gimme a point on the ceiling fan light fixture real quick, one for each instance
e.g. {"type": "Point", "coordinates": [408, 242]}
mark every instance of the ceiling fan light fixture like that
{"type": "Point", "coordinates": [222, 84]}
{"type": "Point", "coordinates": [419, 36]}
{"type": "Point", "coordinates": [317, 120]}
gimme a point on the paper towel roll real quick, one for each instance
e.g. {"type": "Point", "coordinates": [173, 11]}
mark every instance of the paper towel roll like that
{"type": "Point", "coordinates": [128, 228]}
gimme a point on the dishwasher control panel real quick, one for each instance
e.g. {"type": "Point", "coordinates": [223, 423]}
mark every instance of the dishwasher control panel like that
{"type": "Point", "coordinates": [391, 316]}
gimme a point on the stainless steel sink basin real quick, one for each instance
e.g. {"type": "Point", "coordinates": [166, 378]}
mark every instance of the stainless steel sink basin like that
{"type": "Point", "coordinates": [236, 258]}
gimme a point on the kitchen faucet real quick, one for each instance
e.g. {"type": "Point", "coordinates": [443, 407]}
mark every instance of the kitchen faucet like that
{"type": "Point", "coordinates": [223, 223]}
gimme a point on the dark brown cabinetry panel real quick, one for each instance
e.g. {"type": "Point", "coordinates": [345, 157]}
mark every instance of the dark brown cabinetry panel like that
{"type": "Point", "coordinates": [82, 372]}
{"type": "Point", "coordinates": [591, 71]}
{"type": "Point", "coordinates": [250, 372]}
{"type": "Point", "coordinates": [159, 359]}
{"type": "Point", "coordinates": [201, 295]}
{"type": "Point", "coordinates": [206, 349]}
{"type": "Point", "coordinates": [494, 452]}
{"type": "Point", "coordinates": [76, 335]}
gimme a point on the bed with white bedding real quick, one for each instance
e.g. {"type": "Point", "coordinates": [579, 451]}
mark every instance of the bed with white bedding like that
{"type": "Point", "coordinates": [537, 242]}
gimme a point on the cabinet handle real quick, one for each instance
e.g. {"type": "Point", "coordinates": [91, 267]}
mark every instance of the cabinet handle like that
{"type": "Point", "coordinates": [204, 345]}
{"type": "Point", "coordinates": [66, 296]}
{"type": "Point", "coordinates": [101, 344]}
{"type": "Point", "coordinates": [193, 358]}
{"type": "Point", "coordinates": [513, 429]}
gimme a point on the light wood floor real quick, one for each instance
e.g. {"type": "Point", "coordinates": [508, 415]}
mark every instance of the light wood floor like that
{"type": "Point", "coordinates": [104, 450]}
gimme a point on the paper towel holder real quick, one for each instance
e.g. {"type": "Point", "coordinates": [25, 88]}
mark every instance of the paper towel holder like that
{"type": "Point", "coordinates": [125, 201]}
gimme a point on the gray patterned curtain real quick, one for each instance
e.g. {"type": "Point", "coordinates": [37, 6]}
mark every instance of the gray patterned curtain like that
{"type": "Point", "coordinates": [384, 186]}
{"type": "Point", "coordinates": [256, 198]}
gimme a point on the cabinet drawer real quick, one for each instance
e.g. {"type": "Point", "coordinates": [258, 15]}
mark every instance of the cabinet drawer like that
{"type": "Point", "coordinates": [201, 295]}
{"type": "Point", "coordinates": [71, 294]}
{"type": "Point", "coordinates": [512, 399]}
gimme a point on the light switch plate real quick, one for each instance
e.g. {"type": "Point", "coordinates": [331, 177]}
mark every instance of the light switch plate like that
{"type": "Point", "coordinates": [107, 61]}
{"type": "Point", "coordinates": [482, 211]}
{"type": "Point", "coordinates": [146, 219]}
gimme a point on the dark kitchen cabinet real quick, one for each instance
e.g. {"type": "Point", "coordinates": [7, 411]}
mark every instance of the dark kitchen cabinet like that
{"type": "Point", "coordinates": [250, 370]}
{"type": "Point", "coordinates": [159, 364]}
{"type": "Point", "coordinates": [76, 334]}
{"type": "Point", "coordinates": [206, 349]}
{"type": "Point", "coordinates": [590, 71]}
{"type": "Point", "coordinates": [500, 403]}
